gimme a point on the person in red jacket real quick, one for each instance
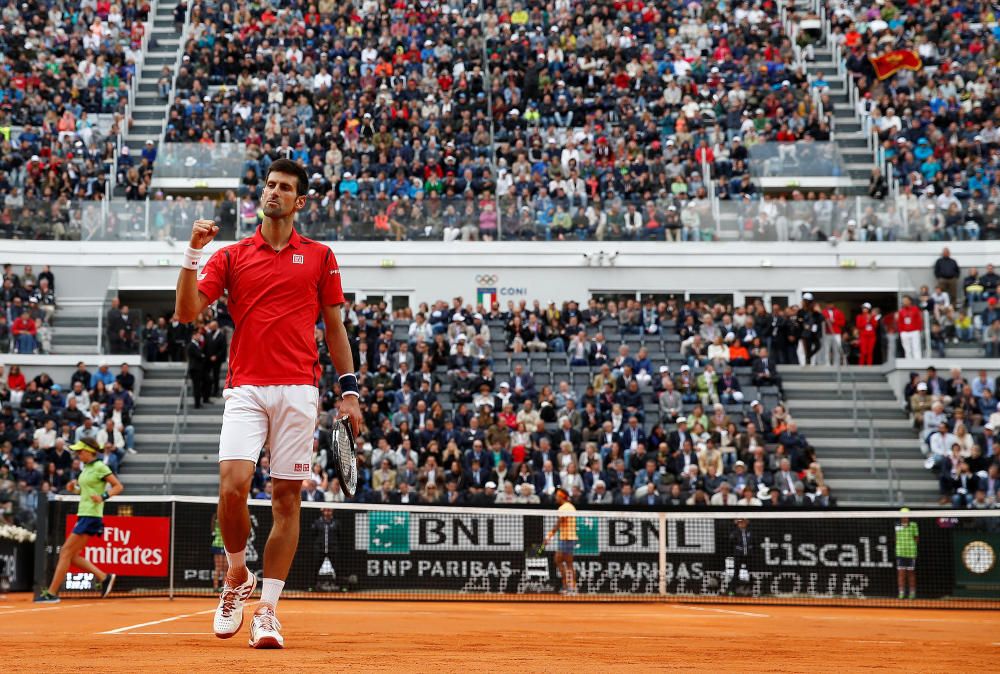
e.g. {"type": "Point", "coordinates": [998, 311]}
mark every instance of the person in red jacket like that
{"type": "Point", "coordinates": [910, 324]}
{"type": "Point", "coordinates": [867, 325]}
{"type": "Point", "coordinates": [23, 329]}
{"type": "Point", "coordinates": [833, 329]}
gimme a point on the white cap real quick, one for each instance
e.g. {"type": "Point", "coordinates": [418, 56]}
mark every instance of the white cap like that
{"type": "Point", "coordinates": [461, 338]}
{"type": "Point", "coordinates": [754, 403]}
{"type": "Point", "coordinates": [739, 463]}
{"type": "Point", "coordinates": [807, 296]}
{"type": "Point", "coordinates": [103, 363]}
{"type": "Point", "coordinates": [730, 337]}
{"type": "Point", "coordinates": [504, 384]}
{"type": "Point", "coordinates": [459, 317]}
{"type": "Point", "coordinates": [682, 420]}
{"type": "Point", "coordinates": [491, 485]}
{"type": "Point", "coordinates": [866, 305]}
{"type": "Point", "coordinates": [664, 369]}
{"type": "Point", "coordinates": [922, 386]}
{"type": "Point", "coordinates": [685, 368]}
{"type": "Point", "coordinates": [477, 316]}
{"type": "Point", "coordinates": [988, 427]}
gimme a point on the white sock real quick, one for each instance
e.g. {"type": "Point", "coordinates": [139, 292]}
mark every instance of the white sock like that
{"type": "Point", "coordinates": [237, 560]}
{"type": "Point", "coordinates": [271, 591]}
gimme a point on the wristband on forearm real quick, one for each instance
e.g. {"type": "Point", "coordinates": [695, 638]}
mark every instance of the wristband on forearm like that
{"type": "Point", "coordinates": [349, 385]}
{"type": "Point", "coordinates": [105, 496]}
{"type": "Point", "coordinates": [192, 256]}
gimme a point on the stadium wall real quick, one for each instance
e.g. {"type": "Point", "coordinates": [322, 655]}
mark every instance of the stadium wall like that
{"type": "Point", "coordinates": [426, 271]}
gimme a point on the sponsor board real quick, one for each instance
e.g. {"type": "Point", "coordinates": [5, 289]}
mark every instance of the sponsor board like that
{"type": "Point", "coordinates": [130, 546]}
{"type": "Point", "coordinates": [399, 533]}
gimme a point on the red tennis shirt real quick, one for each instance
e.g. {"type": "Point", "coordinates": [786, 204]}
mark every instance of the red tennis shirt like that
{"type": "Point", "coordinates": [275, 299]}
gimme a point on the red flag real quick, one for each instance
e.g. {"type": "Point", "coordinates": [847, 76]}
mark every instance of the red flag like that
{"type": "Point", "coordinates": [888, 64]}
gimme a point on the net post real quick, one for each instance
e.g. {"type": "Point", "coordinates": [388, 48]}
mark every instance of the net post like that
{"type": "Point", "coordinates": [41, 545]}
{"type": "Point", "coordinates": [661, 546]}
{"type": "Point", "coordinates": [173, 527]}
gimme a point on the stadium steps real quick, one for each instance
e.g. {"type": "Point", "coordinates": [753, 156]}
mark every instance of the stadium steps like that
{"type": "Point", "coordinates": [824, 416]}
{"type": "Point", "coordinates": [967, 350]}
{"type": "Point", "coordinates": [75, 329]}
{"type": "Point", "coordinates": [148, 116]}
{"type": "Point", "coordinates": [851, 142]}
{"type": "Point", "coordinates": [153, 418]}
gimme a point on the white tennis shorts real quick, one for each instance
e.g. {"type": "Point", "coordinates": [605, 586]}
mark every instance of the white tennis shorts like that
{"type": "Point", "coordinates": [282, 418]}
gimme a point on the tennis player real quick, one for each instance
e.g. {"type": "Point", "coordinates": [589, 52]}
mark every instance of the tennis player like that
{"type": "Point", "coordinates": [96, 484]}
{"type": "Point", "coordinates": [278, 283]}
{"type": "Point", "coordinates": [907, 537]}
{"type": "Point", "coordinates": [566, 529]}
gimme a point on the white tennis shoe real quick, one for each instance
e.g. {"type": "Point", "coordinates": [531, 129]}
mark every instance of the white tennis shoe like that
{"type": "Point", "coordinates": [265, 630]}
{"type": "Point", "coordinates": [229, 614]}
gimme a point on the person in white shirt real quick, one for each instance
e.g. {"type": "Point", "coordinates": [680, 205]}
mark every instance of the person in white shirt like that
{"type": "Point", "coordinates": [46, 435]}
{"type": "Point", "coordinates": [723, 497]}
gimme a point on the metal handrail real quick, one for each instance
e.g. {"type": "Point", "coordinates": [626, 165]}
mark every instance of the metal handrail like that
{"type": "Point", "coordinates": [173, 450]}
{"type": "Point", "coordinates": [185, 32]}
{"type": "Point", "coordinates": [133, 88]}
{"type": "Point", "coordinates": [894, 485]}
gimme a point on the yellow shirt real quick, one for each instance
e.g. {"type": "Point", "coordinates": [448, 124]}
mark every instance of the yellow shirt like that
{"type": "Point", "coordinates": [567, 525]}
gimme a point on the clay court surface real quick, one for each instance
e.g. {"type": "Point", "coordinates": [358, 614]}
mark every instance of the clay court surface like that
{"type": "Point", "coordinates": [159, 635]}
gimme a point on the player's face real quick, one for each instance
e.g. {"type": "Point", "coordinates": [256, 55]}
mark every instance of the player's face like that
{"type": "Point", "coordinates": [279, 198]}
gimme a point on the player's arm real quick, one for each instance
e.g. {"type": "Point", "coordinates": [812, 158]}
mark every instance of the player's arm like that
{"type": "Point", "coordinates": [343, 360]}
{"type": "Point", "coordinates": [114, 488]}
{"type": "Point", "coordinates": [190, 301]}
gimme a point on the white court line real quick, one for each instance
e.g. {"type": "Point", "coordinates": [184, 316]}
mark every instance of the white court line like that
{"type": "Point", "coordinates": [165, 634]}
{"type": "Point", "coordinates": [129, 628]}
{"type": "Point", "coordinates": [54, 607]}
{"type": "Point", "coordinates": [724, 610]}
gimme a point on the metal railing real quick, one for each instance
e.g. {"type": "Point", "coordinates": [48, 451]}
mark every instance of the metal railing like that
{"type": "Point", "coordinates": [133, 88]}
{"type": "Point", "coordinates": [893, 482]}
{"type": "Point", "coordinates": [854, 97]}
{"type": "Point", "coordinates": [174, 449]}
{"type": "Point", "coordinates": [182, 43]}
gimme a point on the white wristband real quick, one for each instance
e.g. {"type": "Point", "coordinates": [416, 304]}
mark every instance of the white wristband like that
{"type": "Point", "coordinates": [350, 393]}
{"type": "Point", "coordinates": [192, 256]}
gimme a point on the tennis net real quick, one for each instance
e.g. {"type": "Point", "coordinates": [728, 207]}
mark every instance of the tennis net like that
{"type": "Point", "coordinates": [162, 546]}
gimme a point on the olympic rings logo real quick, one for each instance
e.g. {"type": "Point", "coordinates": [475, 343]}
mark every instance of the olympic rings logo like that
{"type": "Point", "coordinates": [486, 279]}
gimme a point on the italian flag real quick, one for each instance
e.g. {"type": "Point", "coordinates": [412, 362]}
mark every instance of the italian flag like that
{"type": "Point", "coordinates": [486, 297]}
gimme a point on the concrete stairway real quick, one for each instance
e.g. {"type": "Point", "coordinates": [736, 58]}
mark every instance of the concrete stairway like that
{"type": "Point", "coordinates": [155, 412]}
{"type": "Point", "coordinates": [825, 418]}
{"type": "Point", "coordinates": [75, 327]}
{"type": "Point", "coordinates": [149, 114]}
{"type": "Point", "coordinates": [848, 134]}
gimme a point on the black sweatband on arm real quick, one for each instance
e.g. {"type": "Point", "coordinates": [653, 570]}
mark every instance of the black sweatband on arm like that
{"type": "Point", "coordinates": [349, 385]}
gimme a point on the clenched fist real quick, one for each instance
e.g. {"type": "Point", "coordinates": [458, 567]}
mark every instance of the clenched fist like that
{"type": "Point", "coordinates": [202, 233]}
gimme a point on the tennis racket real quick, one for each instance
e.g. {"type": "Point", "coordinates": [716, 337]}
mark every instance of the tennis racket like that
{"type": "Point", "coordinates": [344, 456]}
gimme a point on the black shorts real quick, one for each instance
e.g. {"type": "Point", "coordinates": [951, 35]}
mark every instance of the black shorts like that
{"type": "Point", "coordinates": [906, 563]}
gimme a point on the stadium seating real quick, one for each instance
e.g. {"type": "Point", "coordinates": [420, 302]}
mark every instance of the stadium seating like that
{"type": "Point", "coordinates": [605, 124]}
{"type": "Point", "coordinates": [63, 96]}
{"type": "Point", "coordinates": [935, 125]}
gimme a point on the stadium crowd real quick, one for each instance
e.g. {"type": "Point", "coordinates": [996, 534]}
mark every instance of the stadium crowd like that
{"type": "Point", "coordinates": [603, 115]}
{"type": "Point", "coordinates": [40, 419]}
{"type": "Point", "coordinates": [624, 404]}
{"type": "Point", "coordinates": [957, 420]}
{"type": "Point", "coordinates": [27, 304]}
{"type": "Point", "coordinates": [937, 125]}
{"type": "Point", "coordinates": [63, 90]}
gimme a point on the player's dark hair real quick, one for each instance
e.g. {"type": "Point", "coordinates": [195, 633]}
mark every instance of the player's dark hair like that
{"type": "Point", "coordinates": [292, 168]}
